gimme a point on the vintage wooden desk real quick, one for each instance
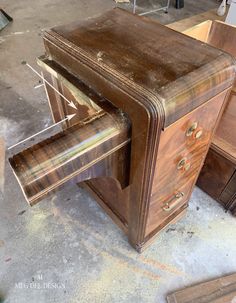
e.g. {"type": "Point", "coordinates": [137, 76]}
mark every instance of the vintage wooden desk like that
{"type": "Point", "coordinates": [148, 101]}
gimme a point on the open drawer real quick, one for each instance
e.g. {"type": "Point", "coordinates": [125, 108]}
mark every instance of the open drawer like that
{"type": "Point", "coordinates": [216, 177]}
{"type": "Point", "coordinates": [215, 33]}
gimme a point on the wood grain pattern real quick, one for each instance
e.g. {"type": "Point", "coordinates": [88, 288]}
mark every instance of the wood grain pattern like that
{"type": "Point", "coordinates": [152, 82]}
{"type": "Point", "coordinates": [109, 192]}
{"type": "Point", "coordinates": [175, 83]}
{"type": "Point", "coordinates": [86, 101]}
{"type": "Point", "coordinates": [228, 196]}
{"type": "Point", "coordinates": [215, 174]}
{"type": "Point", "coordinates": [225, 136]}
{"type": "Point", "coordinates": [75, 152]}
{"type": "Point", "coordinates": [2, 163]}
{"type": "Point", "coordinates": [168, 179]}
{"type": "Point", "coordinates": [223, 36]}
{"type": "Point", "coordinates": [216, 177]}
{"type": "Point", "coordinates": [153, 88]}
{"type": "Point", "coordinates": [189, 23]}
{"type": "Point", "coordinates": [221, 290]}
{"type": "Point", "coordinates": [200, 31]}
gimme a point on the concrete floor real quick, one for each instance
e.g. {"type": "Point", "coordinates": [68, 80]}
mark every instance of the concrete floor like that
{"type": "Point", "coordinates": [65, 249]}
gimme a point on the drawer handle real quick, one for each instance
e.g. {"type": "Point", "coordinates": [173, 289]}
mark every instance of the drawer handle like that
{"type": "Point", "coordinates": [191, 129]}
{"type": "Point", "coordinates": [184, 164]}
{"type": "Point", "coordinates": [173, 202]}
{"type": "Point", "coordinates": [198, 134]}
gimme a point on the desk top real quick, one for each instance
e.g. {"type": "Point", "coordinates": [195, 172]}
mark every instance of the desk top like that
{"type": "Point", "coordinates": [139, 54]}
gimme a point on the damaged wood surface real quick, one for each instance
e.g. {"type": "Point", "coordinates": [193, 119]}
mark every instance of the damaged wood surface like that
{"type": "Point", "coordinates": [165, 96]}
{"type": "Point", "coordinates": [185, 24]}
{"type": "Point", "coordinates": [221, 290]}
{"type": "Point", "coordinates": [156, 86]}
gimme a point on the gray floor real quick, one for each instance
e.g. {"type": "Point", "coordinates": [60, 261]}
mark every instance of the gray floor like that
{"type": "Point", "coordinates": [65, 249]}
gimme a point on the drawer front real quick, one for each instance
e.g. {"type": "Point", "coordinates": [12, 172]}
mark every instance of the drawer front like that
{"type": "Point", "coordinates": [166, 205]}
{"type": "Point", "coordinates": [182, 150]}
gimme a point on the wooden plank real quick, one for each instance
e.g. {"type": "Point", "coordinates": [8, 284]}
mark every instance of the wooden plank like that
{"type": "Point", "coordinates": [78, 152]}
{"type": "Point", "coordinates": [221, 290]}
{"type": "Point", "coordinates": [200, 31]}
{"type": "Point", "coordinates": [4, 19]}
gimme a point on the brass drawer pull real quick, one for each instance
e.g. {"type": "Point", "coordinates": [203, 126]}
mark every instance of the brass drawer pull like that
{"type": "Point", "coordinates": [198, 134]}
{"type": "Point", "coordinates": [191, 129]}
{"type": "Point", "coordinates": [184, 164]}
{"type": "Point", "coordinates": [173, 202]}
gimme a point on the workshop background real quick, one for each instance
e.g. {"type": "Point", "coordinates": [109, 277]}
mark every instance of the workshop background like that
{"type": "Point", "coordinates": [66, 244]}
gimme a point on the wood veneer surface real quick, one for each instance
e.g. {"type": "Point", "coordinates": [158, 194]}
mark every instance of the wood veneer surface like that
{"type": "Point", "coordinates": [75, 151]}
{"type": "Point", "coordinates": [163, 67]}
{"type": "Point", "coordinates": [221, 290]}
{"type": "Point", "coordinates": [168, 179]}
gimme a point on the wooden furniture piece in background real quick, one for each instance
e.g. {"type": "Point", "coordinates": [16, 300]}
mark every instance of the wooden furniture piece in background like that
{"type": "Point", "coordinates": [5, 19]}
{"type": "Point", "coordinates": [90, 149]}
{"type": "Point", "coordinates": [164, 110]}
{"type": "Point", "coordinates": [221, 290]}
{"type": "Point", "coordinates": [218, 176]}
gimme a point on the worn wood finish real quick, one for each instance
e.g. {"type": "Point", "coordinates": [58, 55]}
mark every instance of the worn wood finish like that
{"type": "Point", "coordinates": [221, 290]}
{"type": "Point", "coordinates": [150, 82]}
{"type": "Point", "coordinates": [217, 174]}
{"type": "Point", "coordinates": [170, 179]}
{"type": "Point", "coordinates": [86, 101]}
{"type": "Point", "coordinates": [88, 150]}
{"type": "Point", "coordinates": [228, 196]}
{"type": "Point", "coordinates": [223, 36]}
{"type": "Point", "coordinates": [88, 104]}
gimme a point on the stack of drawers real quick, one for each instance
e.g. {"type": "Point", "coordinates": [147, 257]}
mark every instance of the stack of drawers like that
{"type": "Point", "coordinates": [218, 176]}
{"type": "Point", "coordinates": [170, 103]}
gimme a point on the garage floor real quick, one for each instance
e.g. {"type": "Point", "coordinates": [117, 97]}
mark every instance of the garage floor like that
{"type": "Point", "coordinates": [65, 249]}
